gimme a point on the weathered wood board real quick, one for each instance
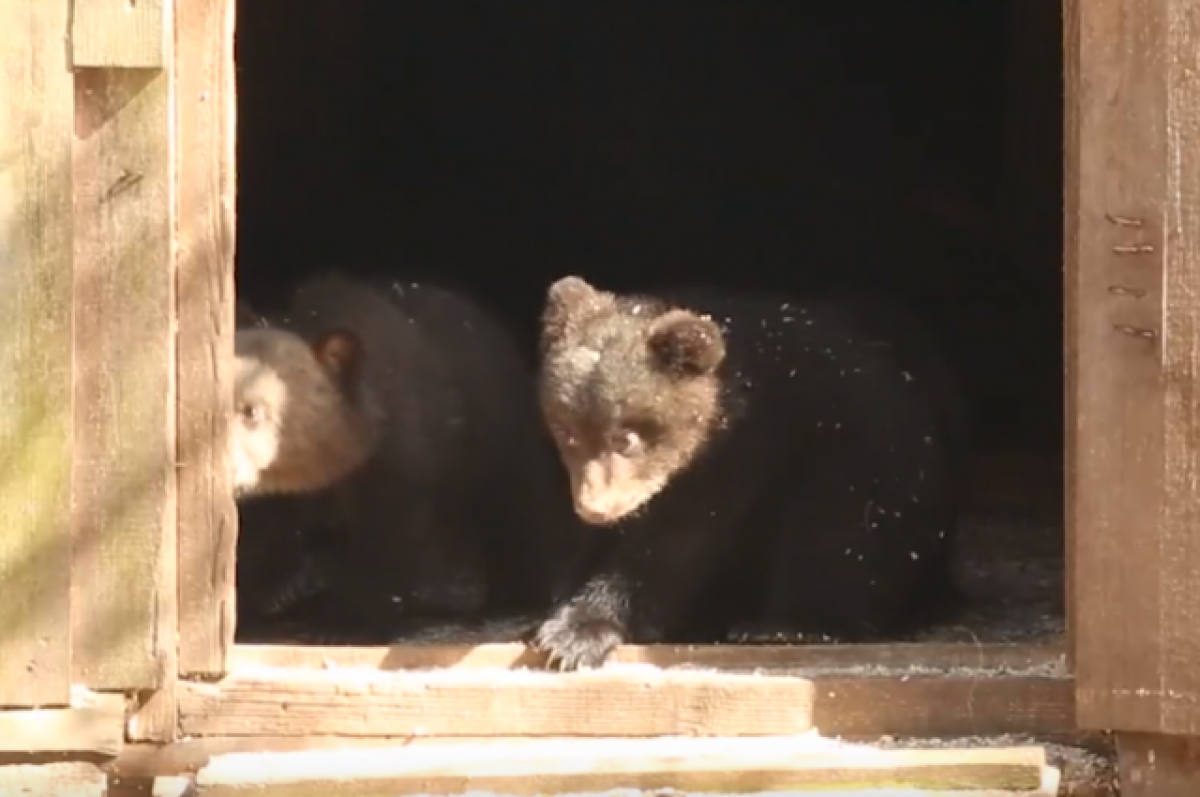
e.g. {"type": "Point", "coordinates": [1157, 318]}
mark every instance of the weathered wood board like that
{"type": "Point", "coordinates": [35, 354]}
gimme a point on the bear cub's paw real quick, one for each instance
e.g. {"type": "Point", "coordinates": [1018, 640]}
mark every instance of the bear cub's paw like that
{"type": "Point", "coordinates": [578, 636]}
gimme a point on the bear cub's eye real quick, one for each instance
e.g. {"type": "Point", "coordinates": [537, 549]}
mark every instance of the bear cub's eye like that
{"type": "Point", "coordinates": [252, 414]}
{"type": "Point", "coordinates": [625, 442]}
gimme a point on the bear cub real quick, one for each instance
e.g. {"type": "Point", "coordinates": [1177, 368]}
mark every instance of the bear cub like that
{"type": "Point", "coordinates": [283, 558]}
{"type": "Point", "coordinates": [747, 461]}
{"type": "Point", "coordinates": [406, 419]}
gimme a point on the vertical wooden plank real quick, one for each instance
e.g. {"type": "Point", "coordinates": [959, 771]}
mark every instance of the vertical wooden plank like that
{"type": "Point", "coordinates": [1132, 275]}
{"type": "Point", "coordinates": [1114, 276]}
{"type": "Point", "coordinates": [1179, 520]}
{"type": "Point", "coordinates": [124, 481]}
{"type": "Point", "coordinates": [119, 33]}
{"type": "Point", "coordinates": [207, 516]}
{"type": "Point", "coordinates": [35, 353]}
{"type": "Point", "coordinates": [1071, 186]}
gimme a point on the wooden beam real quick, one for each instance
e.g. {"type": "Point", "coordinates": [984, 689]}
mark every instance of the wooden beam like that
{"type": "Point", "coordinates": [485, 703]}
{"type": "Point", "coordinates": [618, 701]}
{"type": "Point", "coordinates": [67, 778]}
{"type": "Point", "coordinates": [1072, 165]}
{"type": "Point", "coordinates": [1179, 544]}
{"type": "Point", "coordinates": [1081, 759]}
{"type": "Point", "coordinates": [154, 715]}
{"type": "Point", "coordinates": [124, 480]}
{"type": "Point", "coordinates": [1154, 765]}
{"type": "Point", "coordinates": [35, 354]}
{"type": "Point", "coordinates": [1132, 271]}
{"type": "Point", "coordinates": [584, 765]}
{"type": "Point", "coordinates": [120, 33]}
{"type": "Point", "coordinates": [95, 723]}
{"type": "Point", "coordinates": [1046, 658]}
{"type": "Point", "coordinates": [205, 298]}
{"type": "Point", "coordinates": [1114, 420]}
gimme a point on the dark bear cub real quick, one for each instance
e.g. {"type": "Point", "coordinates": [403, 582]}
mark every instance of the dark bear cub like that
{"type": "Point", "coordinates": [408, 418]}
{"type": "Point", "coordinates": [754, 460]}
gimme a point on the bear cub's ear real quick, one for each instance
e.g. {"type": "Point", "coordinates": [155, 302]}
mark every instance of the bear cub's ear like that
{"type": "Point", "coordinates": [566, 300]}
{"type": "Point", "coordinates": [341, 353]}
{"type": "Point", "coordinates": [570, 293]}
{"type": "Point", "coordinates": [685, 344]}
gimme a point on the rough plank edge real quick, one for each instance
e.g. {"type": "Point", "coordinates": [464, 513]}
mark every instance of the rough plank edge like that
{"type": "Point", "coordinates": [36, 186]}
{"type": "Point", "coordinates": [1074, 488]}
{"type": "Point", "coordinates": [729, 765]}
{"type": "Point", "coordinates": [119, 35]}
{"type": "Point", "coordinates": [481, 703]}
{"type": "Point", "coordinates": [187, 756]}
{"type": "Point", "coordinates": [1179, 358]}
{"type": "Point", "coordinates": [94, 724]}
{"type": "Point", "coordinates": [156, 718]}
{"type": "Point", "coordinates": [907, 657]}
{"type": "Point", "coordinates": [123, 241]}
{"type": "Point", "coordinates": [74, 778]}
{"type": "Point", "coordinates": [206, 114]}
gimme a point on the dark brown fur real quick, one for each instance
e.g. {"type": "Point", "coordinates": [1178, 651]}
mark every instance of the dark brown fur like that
{"type": "Point", "coordinates": [284, 552]}
{"type": "Point", "coordinates": [757, 461]}
{"type": "Point", "coordinates": [446, 512]}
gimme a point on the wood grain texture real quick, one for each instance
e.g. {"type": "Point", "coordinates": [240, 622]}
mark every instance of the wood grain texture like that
{"type": "Point", "coordinates": [1179, 518]}
{"type": "Point", "coordinates": [94, 723]}
{"type": "Point", "coordinates": [120, 33]}
{"type": "Point", "coordinates": [901, 657]}
{"type": "Point", "coordinates": [154, 716]}
{"type": "Point", "coordinates": [35, 354]}
{"type": "Point", "coordinates": [124, 480]}
{"type": "Point", "coordinates": [205, 298]}
{"type": "Point", "coordinates": [1134, 318]}
{"type": "Point", "coordinates": [1079, 758]}
{"type": "Point", "coordinates": [741, 766]}
{"type": "Point", "coordinates": [1072, 98]}
{"type": "Point", "coordinates": [75, 778]}
{"type": "Point", "coordinates": [623, 701]}
{"type": "Point", "coordinates": [138, 761]}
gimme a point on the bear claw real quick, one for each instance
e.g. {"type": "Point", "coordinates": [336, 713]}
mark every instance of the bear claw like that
{"type": "Point", "coordinates": [574, 638]}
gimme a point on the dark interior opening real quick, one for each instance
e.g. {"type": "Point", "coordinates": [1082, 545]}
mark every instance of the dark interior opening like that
{"type": "Point", "coordinates": [913, 147]}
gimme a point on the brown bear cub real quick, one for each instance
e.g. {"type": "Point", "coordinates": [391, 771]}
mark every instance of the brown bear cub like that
{"type": "Point", "coordinates": [280, 551]}
{"type": "Point", "coordinates": [755, 462]}
{"type": "Point", "coordinates": [407, 418]}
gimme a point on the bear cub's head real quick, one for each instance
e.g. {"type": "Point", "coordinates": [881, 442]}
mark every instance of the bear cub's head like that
{"type": "Point", "coordinates": [302, 420]}
{"type": "Point", "coordinates": [630, 392]}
